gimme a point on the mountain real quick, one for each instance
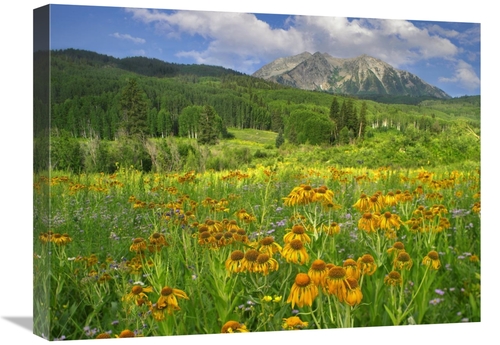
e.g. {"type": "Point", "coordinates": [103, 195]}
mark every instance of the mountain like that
{"type": "Point", "coordinates": [362, 75]}
{"type": "Point", "coordinates": [149, 67]}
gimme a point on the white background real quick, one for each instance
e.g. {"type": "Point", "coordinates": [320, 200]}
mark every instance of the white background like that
{"type": "Point", "coordinates": [16, 164]}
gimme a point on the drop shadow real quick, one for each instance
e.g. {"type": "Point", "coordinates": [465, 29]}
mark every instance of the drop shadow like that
{"type": "Point", "coordinates": [25, 322]}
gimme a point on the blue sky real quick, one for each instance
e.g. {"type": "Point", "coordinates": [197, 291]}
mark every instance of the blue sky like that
{"type": "Point", "coordinates": [445, 54]}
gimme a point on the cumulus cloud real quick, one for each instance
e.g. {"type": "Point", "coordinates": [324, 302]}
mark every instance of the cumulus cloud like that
{"type": "Point", "coordinates": [464, 75]}
{"type": "Point", "coordinates": [128, 37]}
{"type": "Point", "coordinates": [243, 42]}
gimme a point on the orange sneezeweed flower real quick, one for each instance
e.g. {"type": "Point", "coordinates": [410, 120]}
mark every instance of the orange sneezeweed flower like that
{"type": "Point", "coordinates": [295, 252]}
{"type": "Point", "coordinates": [297, 232]}
{"type": "Point", "coordinates": [303, 291]}
{"type": "Point", "coordinates": [234, 327]}
{"type": "Point", "coordinates": [367, 264]}
{"type": "Point", "coordinates": [168, 299]}
{"type": "Point", "coordinates": [432, 260]}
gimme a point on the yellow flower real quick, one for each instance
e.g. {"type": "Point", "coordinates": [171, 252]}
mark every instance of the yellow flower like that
{"type": "Point", "coordinates": [393, 278]}
{"type": "Point", "coordinates": [156, 242]}
{"type": "Point", "coordinates": [362, 204]}
{"type": "Point", "coordinates": [300, 195]}
{"type": "Point", "coordinates": [138, 245]}
{"type": "Point", "coordinates": [390, 221]}
{"type": "Point", "coordinates": [250, 260]}
{"type": "Point", "coordinates": [235, 262]}
{"type": "Point", "coordinates": [476, 208]}
{"type": "Point", "coordinates": [332, 229]}
{"type": "Point", "coordinates": [318, 271]}
{"type": "Point", "coordinates": [59, 239]}
{"type": "Point", "coordinates": [294, 323]}
{"type": "Point", "coordinates": [126, 334]}
{"type": "Point", "coordinates": [233, 327]}
{"type": "Point", "coordinates": [265, 264]}
{"type": "Point", "coordinates": [367, 264]}
{"type": "Point", "coordinates": [137, 294]}
{"type": "Point", "coordinates": [303, 291]}
{"type": "Point", "coordinates": [369, 222]}
{"type": "Point", "coordinates": [297, 232]}
{"type": "Point", "coordinates": [103, 336]}
{"type": "Point", "coordinates": [375, 203]}
{"type": "Point", "coordinates": [323, 195]}
{"type": "Point", "coordinates": [396, 248]}
{"type": "Point", "coordinates": [354, 294]}
{"type": "Point", "coordinates": [295, 252]}
{"type": "Point", "coordinates": [432, 260]}
{"type": "Point", "coordinates": [267, 298]}
{"type": "Point", "coordinates": [206, 238]}
{"type": "Point", "coordinates": [245, 216]}
{"type": "Point", "coordinates": [474, 258]}
{"type": "Point", "coordinates": [335, 282]}
{"type": "Point", "coordinates": [403, 261]}
{"type": "Point", "coordinates": [390, 199]}
{"type": "Point", "coordinates": [269, 246]}
{"type": "Point", "coordinates": [168, 299]}
{"type": "Point", "coordinates": [352, 269]}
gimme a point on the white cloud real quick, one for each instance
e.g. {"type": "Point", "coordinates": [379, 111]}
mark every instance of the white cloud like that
{"type": "Point", "coordinates": [128, 37]}
{"type": "Point", "coordinates": [464, 75]}
{"type": "Point", "coordinates": [243, 42]}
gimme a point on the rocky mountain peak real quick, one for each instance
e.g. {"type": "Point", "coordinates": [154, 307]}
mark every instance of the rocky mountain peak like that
{"type": "Point", "coordinates": [359, 75]}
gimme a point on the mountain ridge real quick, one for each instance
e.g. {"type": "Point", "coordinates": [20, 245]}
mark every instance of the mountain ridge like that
{"type": "Point", "coordinates": [361, 75]}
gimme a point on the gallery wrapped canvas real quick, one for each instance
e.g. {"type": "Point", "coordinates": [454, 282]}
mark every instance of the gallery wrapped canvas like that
{"type": "Point", "coordinates": [204, 172]}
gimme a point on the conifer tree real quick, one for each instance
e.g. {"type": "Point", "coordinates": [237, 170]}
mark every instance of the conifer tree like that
{"type": "Point", "coordinates": [134, 109]}
{"type": "Point", "coordinates": [208, 126]}
{"type": "Point", "coordinates": [335, 117]}
{"type": "Point", "coordinates": [362, 120]}
{"type": "Point", "coordinates": [351, 117]}
{"type": "Point", "coordinates": [280, 139]}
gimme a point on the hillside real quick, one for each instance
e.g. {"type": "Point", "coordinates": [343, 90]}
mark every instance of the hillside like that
{"type": "Point", "coordinates": [87, 92]}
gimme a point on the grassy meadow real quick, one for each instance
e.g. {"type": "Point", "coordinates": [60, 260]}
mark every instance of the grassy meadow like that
{"type": "Point", "coordinates": [292, 245]}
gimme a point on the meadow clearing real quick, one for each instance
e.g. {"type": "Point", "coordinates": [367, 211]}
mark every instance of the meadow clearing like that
{"type": "Point", "coordinates": [267, 248]}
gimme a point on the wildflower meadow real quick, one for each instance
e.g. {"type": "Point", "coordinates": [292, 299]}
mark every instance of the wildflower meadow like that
{"type": "Point", "coordinates": [268, 248]}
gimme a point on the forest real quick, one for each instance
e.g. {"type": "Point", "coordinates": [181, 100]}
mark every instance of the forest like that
{"type": "Point", "coordinates": [99, 104]}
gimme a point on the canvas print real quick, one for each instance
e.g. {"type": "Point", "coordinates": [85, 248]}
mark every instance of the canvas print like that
{"type": "Point", "coordinates": [201, 172]}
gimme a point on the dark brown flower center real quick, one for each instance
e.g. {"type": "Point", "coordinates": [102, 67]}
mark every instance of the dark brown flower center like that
{"type": "Point", "coordinates": [267, 241]}
{"type": "Point", "coordinates": [403, 257]}
{"type": "Point", "coordinates": [166, 291]}
{"type": "Point", "coordinates": [298, 229]}
{"type": "Point", "coordinates": [367, 259]}
{"type": "Point", "coordinates": [136, 289]}
{"type": "Point", "coordinates": [337, 272]}
{"type": "Point", "coordinates": [252, 255]}
{"type": "Point", "coordinates": [318, 265]}
{"type": "Point", "coordinates": [399, 246]}
{"type": "Point", "coordinates": [433, 255]}
{"type": "Point", "coordinates": [349, 262]}
{"type": "Point", "coordinates": [296, 244]}
{"type": "Point", "coordinates": [237, 255]}
{"type": "Point", "coordinates": [263, 258]}
{"type": "Point", "coordinates": [394, 275]}
{"type": "Point", "coordinates": [353, 283]}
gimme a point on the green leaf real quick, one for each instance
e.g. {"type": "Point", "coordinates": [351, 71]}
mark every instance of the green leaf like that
{"type": "Point", "coordinates": [391, 315]}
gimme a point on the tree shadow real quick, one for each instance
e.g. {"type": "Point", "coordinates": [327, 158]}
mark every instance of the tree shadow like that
{"type": "Point", "coordinates": [25, 322]}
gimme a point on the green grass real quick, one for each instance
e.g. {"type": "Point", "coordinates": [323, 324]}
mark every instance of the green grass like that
{"type": "Point", "coordinates": [252, 136]}
{"type": "Point", "coordinates": [104, 214]}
